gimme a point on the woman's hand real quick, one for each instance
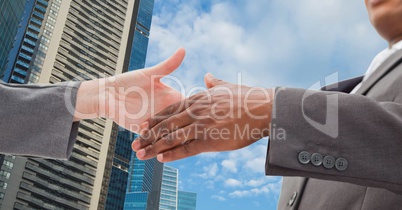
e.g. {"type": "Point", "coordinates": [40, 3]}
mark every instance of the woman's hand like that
{"type": "Point", "coordinates": [130, 98]}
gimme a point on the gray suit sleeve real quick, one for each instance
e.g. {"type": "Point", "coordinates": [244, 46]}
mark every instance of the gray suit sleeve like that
{"type": "Point", "coordinates": [365, 132]}
{"type": "Point", "coordinates": [37, 120]}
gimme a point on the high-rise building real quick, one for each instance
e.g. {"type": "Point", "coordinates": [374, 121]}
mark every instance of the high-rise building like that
{"type": "Point", "coordinates": [153, 186]}
{"type": "Point", "coordinates": [187, 201]}
{"type": "Point", "coordinates": [117, 185]}
{"type": "Point", "coordinates": [169, 190]}
{"type": "Point", "coordinates": [10, 18]}
{"type": "Point", "coordinates": [144, 184]}
{"type": "Point", "coordinates": [30, 38]}
{"type": "Point", "coordinates": [76, 40]}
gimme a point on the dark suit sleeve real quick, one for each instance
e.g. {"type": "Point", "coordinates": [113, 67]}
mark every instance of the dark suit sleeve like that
{"type": "Point", "coordinates": [37, 120]}
{"type": "Point", "coordinates": [363, 131]}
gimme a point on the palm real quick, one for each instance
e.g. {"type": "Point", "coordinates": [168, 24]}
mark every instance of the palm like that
{"type": "Point", "coordinates": [140, 94]}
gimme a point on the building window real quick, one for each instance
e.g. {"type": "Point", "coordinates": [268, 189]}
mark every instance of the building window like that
{"type": "Point", "coordinates": [3, 185]}
{"type": "Point", "coordinates": [55, 6]}
{"type": "Point", "coordinates": [5, 174]}
{"type": "Point", "coordinates": [53, 12]}
{"type": "Point", "coordinates": [8, 164]}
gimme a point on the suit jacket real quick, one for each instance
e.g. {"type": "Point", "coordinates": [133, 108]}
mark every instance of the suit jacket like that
{"type": "Point", "coordinates": [37, 120]}
{"type": "Point", "coordinates": [341, 151]}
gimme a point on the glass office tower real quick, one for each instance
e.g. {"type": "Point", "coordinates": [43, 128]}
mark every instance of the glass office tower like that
{"type": "Point", "coordinates": [77, 40]}
{"type": "Point", "coordinates": [10, 18]}
{"type": "Point", "coordinates": [30, 42]}
{"type": "Point", "coordinates": [187, 201]}
{"type": "Point", "coordinates": [169, 191]}
{"type": "Point", "coordinates": [144, 184]}
{"type": "Point", "coordinates": [10, 23]}
{"type": "Point", "coordinates": [119, 172]}
{"type": "Point", "coordinates": [138, 45]}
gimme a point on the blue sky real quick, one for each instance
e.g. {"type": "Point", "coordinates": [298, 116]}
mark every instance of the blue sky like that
{"type": "Point", "coordinates": [269, 43]}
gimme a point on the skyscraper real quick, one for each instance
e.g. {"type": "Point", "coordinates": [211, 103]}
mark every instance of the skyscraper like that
{"type": "Point", "coordinates": [187, 201]}
{"type": "Point", "coordinates": [140, 29]}
{"type": "Point", "coordinates": [144, 184]}
{"type": "Point", "coordinates": [30, 44]}
{"type": "Point", "coordinates": [10, 18]}
{"type": "Point", "coordinates": [77, 40]}
{"type": "Point", "coordinates": [171, 198]}
{"type": "Point", "coordinates": [169, 190]}
{"type": "Point", "coordinates": [117, 185]}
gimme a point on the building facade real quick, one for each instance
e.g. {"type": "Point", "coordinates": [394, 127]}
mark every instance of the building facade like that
{"type": "Point", "coordinates": [187, 201]}
{"type": "Point", "coordinates": [71, 40]}
{"type": "Point", "coordinates": [30, 41]}
{"type": "Point", "coordinates": [140, 30]}
{"type": "Point", "coordinates": [144, 184]}
{"type": "Point", "coordinates": [169, 189]}
{"type": "Point", "coordinates": [10, 18]}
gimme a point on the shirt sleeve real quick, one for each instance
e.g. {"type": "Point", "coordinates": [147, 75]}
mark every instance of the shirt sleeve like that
{"type": "Point", "coordinates": [37, 120]}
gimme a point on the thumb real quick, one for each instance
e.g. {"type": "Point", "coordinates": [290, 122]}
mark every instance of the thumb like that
{"type": "Point", "coordinates": [211, 81]}
{"type": "Point", "coordinates": [168, 66]}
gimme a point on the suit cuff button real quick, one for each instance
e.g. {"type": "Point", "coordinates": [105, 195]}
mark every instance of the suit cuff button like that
{"type": "Point", "coordinates": [329, 162]}
{"type": "Point", "coordinates": [304, 157]}
{"type": "Point", "coordinates": [316, 159]}
{"type": "Point", "coordinates": [341, 164]}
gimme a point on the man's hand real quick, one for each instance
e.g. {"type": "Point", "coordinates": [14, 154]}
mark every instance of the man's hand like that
{"type": "Point", "coordinates": [130, 98]}
{"type": "Point", "coordinates": [226, 117]}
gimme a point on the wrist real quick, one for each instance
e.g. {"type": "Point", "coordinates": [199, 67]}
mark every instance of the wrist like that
{"type": "Point", "coordinates": [89, 99]}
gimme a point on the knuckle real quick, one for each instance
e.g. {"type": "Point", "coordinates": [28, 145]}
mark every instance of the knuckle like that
{"type": "Point", "coordinates": [169, 154]}
{"type": "Point", "coordinates": [143, 141]}
{"type": "Point", "coordinates": [150, 150]}
{"type": "Point", "coordinates": [153, 121]}
{"type": "Point", "coordinates": [217, 81]}
{"type": "Point", "coordinates": [170, 110]}
{"type": "Point", "coordinates": [168, 140]}
{"type": "Point", "coordinates": [186, 149]}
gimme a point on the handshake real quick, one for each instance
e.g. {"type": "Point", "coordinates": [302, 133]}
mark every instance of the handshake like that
{"type": "Point", "coordinates": [223, 117]}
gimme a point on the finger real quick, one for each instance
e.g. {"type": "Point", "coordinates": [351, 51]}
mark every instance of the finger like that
{"type": "Point", "coordinates": [164, 127]}
{"type": "Point", "coordinates": [211, 81]}
{"type": "Point", "coordinates": [166, 113]}
{"type": "Point", "coordinates": [188, 149]}
{"type": "Point", "coordinates": [168, 66]}
{"type": "Point", "coordinates": [168, 142]}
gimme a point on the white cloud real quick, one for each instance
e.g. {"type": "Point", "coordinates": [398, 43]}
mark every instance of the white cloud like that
{"type": "Point", "coordinates": [257, 165]}
{"type": "Point", "coordinates": [255, 183]}
{"type": "Point", "coordinates": [209, 171]}
{"type": "Point", "coordinates": [229, 165]}
{"type": "Point", "coordinates": [268, 189]}
{"type": "Point", "coordinates": [209, 184]}
{"type": "Point", "coordinates": [240, 194]}
{"type": "Point", "coordinates": [233, 183]}
{"type": "Point", "coordinates": [270, 42]}
{"type": "Point", "coordinates": [218, 197]}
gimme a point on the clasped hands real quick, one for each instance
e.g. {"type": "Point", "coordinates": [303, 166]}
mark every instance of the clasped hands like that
{"type": "Point", "coordinates": [224, 117]}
